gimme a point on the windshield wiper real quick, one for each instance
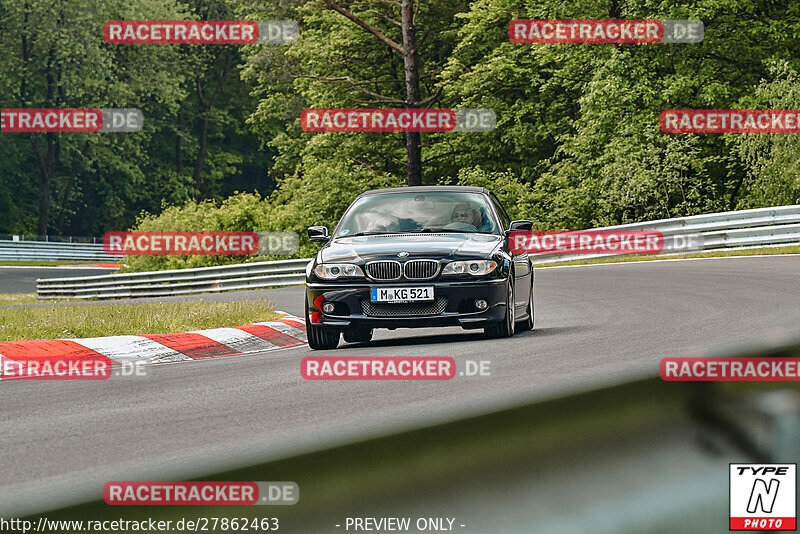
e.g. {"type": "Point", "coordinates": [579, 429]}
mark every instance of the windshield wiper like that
{"type": "Point", "coordinates": [359, 234]}
{"type": "Point", "coordinates": [420, 231]}
{"type": "Point", "coordinates": [445, 230]}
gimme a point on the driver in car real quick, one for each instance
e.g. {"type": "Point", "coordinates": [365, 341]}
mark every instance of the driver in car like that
{"type": "Point", "coordinates": [464, 214]}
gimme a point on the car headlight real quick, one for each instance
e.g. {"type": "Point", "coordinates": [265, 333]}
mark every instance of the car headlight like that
{"type": "Point", "coordinates": [332, 271]}
{"type": "Point", "coordinates": [473, 267]}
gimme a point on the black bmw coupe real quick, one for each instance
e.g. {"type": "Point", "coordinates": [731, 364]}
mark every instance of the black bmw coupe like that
{"type": "Point", "coordinates": [418, 257]}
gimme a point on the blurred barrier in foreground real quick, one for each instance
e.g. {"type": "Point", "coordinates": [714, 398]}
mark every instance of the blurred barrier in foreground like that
{"type": "Point", "coordinates": [645, 456]}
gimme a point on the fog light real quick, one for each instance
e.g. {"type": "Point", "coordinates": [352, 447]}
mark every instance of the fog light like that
{"type": "Point", "coordinates": [481, 304]}
{"type": "Point", "coordinates": [328, 307]}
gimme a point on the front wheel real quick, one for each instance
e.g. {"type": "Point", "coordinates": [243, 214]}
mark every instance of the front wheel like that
{"type": "Point", "coordinates": [319, 337]}
{"type": "Point", "coordinates": [505, 328]}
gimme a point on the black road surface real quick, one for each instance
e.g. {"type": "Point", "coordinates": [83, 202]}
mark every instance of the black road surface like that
{"type": "Point", "coordinates": [595, 325]}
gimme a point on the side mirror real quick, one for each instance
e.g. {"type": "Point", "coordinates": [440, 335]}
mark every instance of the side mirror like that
{"type": "Point", "coordinates": [318, 234]}
{"type": "Point", "coordinates": [523, 225]}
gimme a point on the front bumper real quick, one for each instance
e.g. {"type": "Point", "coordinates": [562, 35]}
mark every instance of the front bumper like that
{"type": "Point", "coordinates": [453, 305]}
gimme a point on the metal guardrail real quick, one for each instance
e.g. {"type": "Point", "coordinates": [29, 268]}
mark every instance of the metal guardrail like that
{"type": "Point", "coordinates": [730, 229]}
{"type": "Point", "coordinates": [51, 238]}
{"type": "Point", "coordinates": [53, 251]}
{"type": "Point", "coordinates": [763, 226]}
{"type": "Point", "coordinates": [177, 282]}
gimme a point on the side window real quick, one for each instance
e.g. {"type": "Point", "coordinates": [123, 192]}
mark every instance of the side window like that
{"type": "Point", "coordinates": [505, 220]}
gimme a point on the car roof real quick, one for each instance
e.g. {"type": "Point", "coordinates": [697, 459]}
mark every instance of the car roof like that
{"type": "Point", "coordinates": [427, 188]}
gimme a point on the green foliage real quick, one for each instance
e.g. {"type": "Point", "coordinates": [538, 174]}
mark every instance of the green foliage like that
{"type": "Point", "coordinates": [317, 198]}
{"type": "Point", "coordinates": [517, 198]}
{"type": "Point", "coordinates": [52, 54]}
{"type": "Point", "coordinates": [577, 142]}
{"type": "Point", "coordinates": [577, 137]}
{"type": "Point", "coordinates": [579, 123]}
{"type": "Point", "coordinates": [240, 212]}
{"type": "Point", "coordinates": [773, 160]}
{"type": "Point", "coordinates": [332, 64]}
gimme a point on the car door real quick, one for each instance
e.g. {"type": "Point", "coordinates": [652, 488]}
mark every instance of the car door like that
{"type": "Point", "coordinates": [523, 272]}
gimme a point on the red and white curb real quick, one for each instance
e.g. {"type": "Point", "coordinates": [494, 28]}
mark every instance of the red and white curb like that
{"type": "Point", "coordinates": [288, 331]}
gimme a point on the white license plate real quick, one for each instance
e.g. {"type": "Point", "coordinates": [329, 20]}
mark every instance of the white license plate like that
{"type": "Point", "coordinates": [401, 294]}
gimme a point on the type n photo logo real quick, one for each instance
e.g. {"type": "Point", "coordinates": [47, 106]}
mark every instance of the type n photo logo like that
{"type": "Point", "coordinates": [763, 496]}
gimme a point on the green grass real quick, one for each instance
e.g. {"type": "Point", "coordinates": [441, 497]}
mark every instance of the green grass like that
{"type": "Point", "coordinates": [95, 320]}
{"type": "Point", "coordinates": [791, 249]}
{"type": "Point", "coordinates": [18, 298]}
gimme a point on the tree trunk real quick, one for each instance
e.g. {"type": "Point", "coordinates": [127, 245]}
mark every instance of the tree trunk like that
{"type": "Point", "coordinates": [179, 144]}
{"type": "Point", "coordinates": [735, 192]}
{"type": "Point", "coordinates": [202, 152]}
{"type": "Point", "coordinates": [62, 213]}
{"type": "Point", "coordinates": [48, 161]}
{"type": "Point", "coordinates": [207, 105]}
{"type": "Point", "coordinates": [413, 139]}
{"type": "Point", "coordinates": [44, 202]}
{"type": "Point", "coordinates": [47, 166]}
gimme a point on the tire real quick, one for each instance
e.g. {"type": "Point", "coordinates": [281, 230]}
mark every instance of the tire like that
{"type": "Point", "coordinates": [320, 338]}
{"type": "Point", "coordinates": [528, 323]}
{"type": "Point", "coordinates": [358, 335]}
{"type": "Point", "coordinates": [505, 328]}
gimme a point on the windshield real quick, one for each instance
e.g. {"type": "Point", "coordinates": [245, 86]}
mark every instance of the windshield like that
{"type": "Point", "coordinates": [437, 211]}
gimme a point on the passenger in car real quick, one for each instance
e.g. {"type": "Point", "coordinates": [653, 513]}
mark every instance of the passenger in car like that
{"type": "Point", "coordinates": [483, 222]}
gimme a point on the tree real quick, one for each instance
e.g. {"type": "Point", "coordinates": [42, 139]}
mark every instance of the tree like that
{"type": "Point", "coordinates": [195, 142]}
{"type": "Point", "coordinates": [772, 160]}
{"type": "Point", "coordinates": [358, 54]}
{"type": "Point", "coordinates": [408, 50]}
{"type": "Point", "coordinates": [579, 123]}
{"type": "Point", "coordinates": [52, 55]}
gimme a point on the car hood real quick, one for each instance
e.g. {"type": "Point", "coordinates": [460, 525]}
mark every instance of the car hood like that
{"type": "Point", "coordinates": [451, 246]}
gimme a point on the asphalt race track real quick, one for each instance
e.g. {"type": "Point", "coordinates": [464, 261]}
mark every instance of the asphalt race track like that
{"type": "Point", "coordinates": [595, 325]}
